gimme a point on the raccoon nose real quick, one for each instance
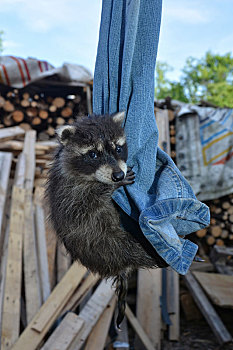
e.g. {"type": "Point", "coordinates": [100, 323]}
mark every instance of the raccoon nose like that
{"type": "Point", "coordinates": [118, 176]}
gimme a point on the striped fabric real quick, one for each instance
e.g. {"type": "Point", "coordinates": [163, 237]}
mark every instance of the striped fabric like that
{"type": "Point", "coordinates": [19, 72]}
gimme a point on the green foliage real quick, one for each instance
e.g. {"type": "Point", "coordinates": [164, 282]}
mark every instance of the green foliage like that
{"type": "Point", "coordinates": [209, 78]}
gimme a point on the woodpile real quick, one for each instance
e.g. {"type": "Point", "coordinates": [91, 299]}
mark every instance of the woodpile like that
{"type": "Point", "coordinates": [43, 109]}
{"type": "Point", "coordinates": [220, 231]}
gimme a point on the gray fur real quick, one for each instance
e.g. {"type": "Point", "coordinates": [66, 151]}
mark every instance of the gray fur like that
{"type": "Point", "coordinates": [82, 211]}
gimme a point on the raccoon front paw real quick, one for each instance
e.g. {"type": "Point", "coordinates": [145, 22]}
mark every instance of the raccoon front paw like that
{"type": "Point", "coordinates": [129, 179]}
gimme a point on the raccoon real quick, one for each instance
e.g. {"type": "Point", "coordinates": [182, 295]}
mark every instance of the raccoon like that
{"type": "Point", "coordinates": [89, 165]}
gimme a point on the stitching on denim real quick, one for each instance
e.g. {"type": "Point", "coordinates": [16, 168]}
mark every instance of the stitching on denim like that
{"type": "Point", "coordinates": [176, 176]}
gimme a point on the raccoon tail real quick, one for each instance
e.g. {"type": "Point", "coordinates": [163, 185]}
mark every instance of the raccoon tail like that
{"type": "Point", "coordinates": [121, 282]}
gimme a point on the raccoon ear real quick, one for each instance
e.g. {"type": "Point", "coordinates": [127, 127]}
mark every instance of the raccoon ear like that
{"type": "Point", "coordinates": [119, 117]}
{"type": "Point", "coordinates": [64, 133]}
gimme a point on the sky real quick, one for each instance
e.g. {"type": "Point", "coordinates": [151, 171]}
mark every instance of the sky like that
{"type": "Point", "coordinates": [67, 30]}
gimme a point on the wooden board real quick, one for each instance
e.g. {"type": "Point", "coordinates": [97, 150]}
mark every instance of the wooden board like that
{"type": "Point", "coordinates": [148, 303]}
{"type": "Point", "coordinates": [97, 338]}
{"type": "Point", "coordinates": [139, 330]}
{"type": "Point", "coordinates": [122, 340]}
{"type": "Point", "coordinates": [5, 167]}
{"type": "Point", "coordinates": [162, 121]}
{"type": "Point", "coordinates": [29, 151]}
{"type": "Point", "coordinates": [10, 133]}
{"type": "Point", "coordinates": [3, 274]}
{"type": "Point", "coordinates": [92, 312]}
{"type": "Point", "coordinates": [207, 310]}
{"type": "Point", "coordinates": [63, 261]}
{"type": "Point", "coordinates": [12, 296]}
{"type": "Point", "coordinates": [51, 238]}
{"type": "Point", "coordinates": [33, 297]}
{"type": "Point", "coordinates": [69, 329]}
{"type": "Point", "coordinates": [217, 287]}
{"type": "Point", "coordinates": [35, 332]}
{"type": "Point", "coordinates": [42, 253]}
{"type": "Point", "coordinates": [173, 304]}
{"type": "Point", "coordinates": [80, 293]}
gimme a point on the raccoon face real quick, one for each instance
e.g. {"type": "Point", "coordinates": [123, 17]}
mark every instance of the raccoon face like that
{"type": "Point", "coordinates": [94, 149]}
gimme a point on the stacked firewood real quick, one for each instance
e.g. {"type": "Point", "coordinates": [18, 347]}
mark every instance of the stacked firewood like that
{"type": "Point", "coordinates": [43, 110]}
{"type": "Point", "coordinates": [220, 231]}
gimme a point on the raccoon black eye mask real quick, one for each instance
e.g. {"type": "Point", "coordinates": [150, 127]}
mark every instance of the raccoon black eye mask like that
{"type": "Point", "coordinates": [89, 164]}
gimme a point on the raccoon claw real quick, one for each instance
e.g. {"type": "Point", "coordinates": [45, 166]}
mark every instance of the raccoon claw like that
{"type": "Point", "coordinates": [130, 177]}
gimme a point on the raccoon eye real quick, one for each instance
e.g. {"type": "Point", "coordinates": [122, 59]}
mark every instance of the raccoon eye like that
{"type": "Point", "coordinates": [92, 154]}
{"type": "Point", "coordinates": [118, 149]}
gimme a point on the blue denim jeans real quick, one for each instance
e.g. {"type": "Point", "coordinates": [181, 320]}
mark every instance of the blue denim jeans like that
{"type": "Point", "coordinates": [161, 200]}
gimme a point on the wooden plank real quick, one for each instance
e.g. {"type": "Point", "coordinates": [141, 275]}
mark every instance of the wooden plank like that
{"type": "Point", "coordinates": [5, 167]}
{"type": "Point", "coordinates": [173, 304]}
{"type": "Point", "coordinates": [162, 121]}
{"type": "Point", "coordinates": [10, 133]}
{"type": "Point", "coordinates": [139, 330]}
{"type": "Point", "coordinates": [122, 340]}
{"type": "Point", "coordinates": [29, 151]}
{"type": "Point", "coordinates": [80, 293]}
{"type": "Point", "coordinates": [207, 310]}
{"type": "Point", "coordinates": [33, 297]}
{"type": "Point", "coordinates": [42, 253]}
{"type": "Point", "coordinates": [217, 287]}
{"type": "Point", "coordinates": [35, 332]}
{"type": "Point", "coordinates": [148, 303]}
{"type": "Point", "coordinates": [69, 329]}
{"type": "Point", "coordinates": [97, 338]}
{"type": "Point", "coordinates": [11, 304]}
{"type": "Point", "coordinates": [20, 171]}
{"type": "Point", "coordinates": [3, 274]}
{"type": "Point", "coordinates": [63, 261]}
{"type": "Point", "coordinates": [51, 238]}
{"type": "Point", "coordinates": [92, 312]}
{"type": "Point", "coordinates": [13, 145]}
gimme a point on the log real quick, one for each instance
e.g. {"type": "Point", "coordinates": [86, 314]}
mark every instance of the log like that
{"type": "Point", "coordinates": [8, 106]}
{"type": "Point", "coordinates": [60, 121]}
{"type": "Point", "coordinates": [210, 240]}
{"type": "Point", "coordinates": [18, 116]}
{"type": "Point", "coordinates": [2, 101]}
{"type": "Point", "coordinates": [36, 121]}
{"type": "Point", "coordinates": [215, 231]}
{"type": "Point", "coordinates": [201, 233]}
{"type": "Point", "coordinates": [31, 112]}
{"type": "Point", "coordinates": [25, 103]}
{"type": "Point", "coordinates": [43, 114]}
{"type": "Point", "coordinates": [59, 102]}
{"type": "Point", "coordinates": [66, 112]}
